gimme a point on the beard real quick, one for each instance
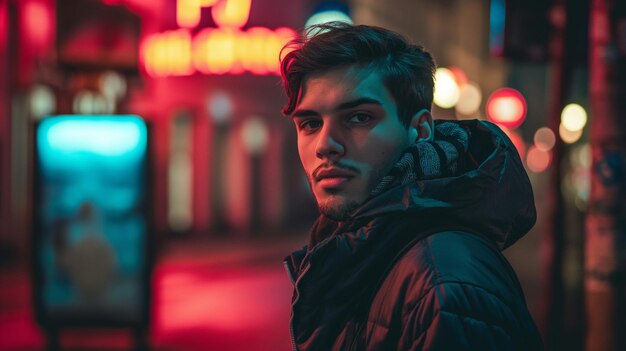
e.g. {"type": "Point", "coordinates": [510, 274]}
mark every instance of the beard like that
{"type": "Point", "coordinates": [338, 210]}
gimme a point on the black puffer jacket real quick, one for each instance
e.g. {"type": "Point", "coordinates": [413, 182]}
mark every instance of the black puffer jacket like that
{"type": "Point", "coordinates": [419, 267]}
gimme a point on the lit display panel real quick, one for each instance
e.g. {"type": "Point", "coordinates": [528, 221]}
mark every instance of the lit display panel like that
{"type": "Point", "coordinates": [91, 229]}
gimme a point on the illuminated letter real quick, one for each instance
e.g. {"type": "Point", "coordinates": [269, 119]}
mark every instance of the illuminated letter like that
{"type": "Point", "coordinates": [220, 46]}
{"type": "Point", "coordinates": [201, 50]}
{"type": "Point", "coordinates": [168, 53]}
{"type": "Point", "coordinates": [188, 11]}
{"type": "Point", "coordinates": [231, 13]}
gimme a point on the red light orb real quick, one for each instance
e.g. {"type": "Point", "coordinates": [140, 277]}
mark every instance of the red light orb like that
{"type": "Point", "coordinates": [506, 107]}
{"type": "Point", "coordinates": [538, 160]}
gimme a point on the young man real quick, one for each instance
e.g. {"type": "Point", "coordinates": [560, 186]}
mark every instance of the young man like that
{"type": "Point", "coordinates": [406, 252]}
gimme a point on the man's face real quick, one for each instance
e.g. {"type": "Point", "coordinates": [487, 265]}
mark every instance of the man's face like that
{"type": "Point", "coordinates": [349, 136]}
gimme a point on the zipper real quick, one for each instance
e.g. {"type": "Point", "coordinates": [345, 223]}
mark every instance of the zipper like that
{"type": "Point", "coordinates": [295, 300]}
{"type": "Point", "coordinates": [289, 274]}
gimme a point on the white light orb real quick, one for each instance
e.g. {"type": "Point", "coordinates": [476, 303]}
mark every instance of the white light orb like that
{"type": "Point", "coordinates": [573, 117]}
{"type": "Point", "coordinates": [446, 89]}
{"type": "Point", "coordinates": [112, 85]}
{"type": "Point", "coordinates": [42, 101]}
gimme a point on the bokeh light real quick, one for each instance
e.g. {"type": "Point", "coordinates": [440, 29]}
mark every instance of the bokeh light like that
{"type": "Point", "coordinates": [446, 88]}
{"type": "Point", "coordinates": [42, 101]}
{"type": "Point", "coordinates": [581, 155]}
{"type": "Point", "coordinates": [573, 117]}
{"type": "Point", "coordinates": [37, 21]}
{"type": "Point", "coordinates": [254, 134]}
{"type": "Point", "coordinates": [220, 107]}
{"type": "Point", "coordinates": [506, 107]}
{"type": "Point", "coordinates": [112, 85]}
{"type": "Point", "coordinates": [88, 102]}
{"type": "Point", "coordinates": [577, 184]}
{"type": "Point", "coordinates": [544, 139]}
{"type": "Point", "coordinates": [470, 98]}
{"type": "Point", "coordinates": [569, 136]}
{"type": "Point", "coordinates": [538, 160]}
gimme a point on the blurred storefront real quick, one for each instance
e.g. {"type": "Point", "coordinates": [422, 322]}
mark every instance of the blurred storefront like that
{"type": "Point", "coordinates": [204, 74]}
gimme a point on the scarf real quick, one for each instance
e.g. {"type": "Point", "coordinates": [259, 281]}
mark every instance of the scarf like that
{"type": "Point", "coordinates": [428, 159]}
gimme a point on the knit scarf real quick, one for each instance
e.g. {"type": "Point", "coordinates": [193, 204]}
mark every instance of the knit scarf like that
{"type": "Point", "coordinates": [428, 159]}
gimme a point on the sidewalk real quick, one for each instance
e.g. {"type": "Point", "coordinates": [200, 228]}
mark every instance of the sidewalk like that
{"type": "Point", "coordinates": [208, 295]}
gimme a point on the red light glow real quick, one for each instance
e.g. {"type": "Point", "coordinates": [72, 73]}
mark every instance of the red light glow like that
{"type": "Point", "coordinates": [506, 107]}
{"type": "Point", "coordinates": [36, 19]}
{"type": "Point", "coordinates": [538, 160]}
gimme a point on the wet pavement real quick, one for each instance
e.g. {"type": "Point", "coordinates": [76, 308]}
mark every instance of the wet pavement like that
{"type": "Point", "coordinates": [225, 295]}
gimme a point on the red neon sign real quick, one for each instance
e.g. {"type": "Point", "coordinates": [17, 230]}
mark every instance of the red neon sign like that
{"type": "Point", "coordinates": [226, 49]}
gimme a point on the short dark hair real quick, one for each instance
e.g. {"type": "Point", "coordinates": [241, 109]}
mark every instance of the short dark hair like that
{"type": "Point", "coordinates": [407, 70]}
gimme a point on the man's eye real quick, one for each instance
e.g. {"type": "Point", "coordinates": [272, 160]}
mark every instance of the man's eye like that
{"type": "Point", "coordinates": [359, 118]}
{"type": "Point", "coordinates": [310, 125]}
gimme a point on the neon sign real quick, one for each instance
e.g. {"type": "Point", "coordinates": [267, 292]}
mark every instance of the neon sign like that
{"type": "Point", "coordinates": [221, 50]}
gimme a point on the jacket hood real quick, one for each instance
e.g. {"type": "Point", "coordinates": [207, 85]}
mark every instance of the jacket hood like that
{"type": "Point", "coordinates": [490, 193]}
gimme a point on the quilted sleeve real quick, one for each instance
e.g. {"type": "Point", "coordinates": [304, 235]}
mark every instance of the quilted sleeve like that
{"type": "Point", "coordinates": [459, 316]}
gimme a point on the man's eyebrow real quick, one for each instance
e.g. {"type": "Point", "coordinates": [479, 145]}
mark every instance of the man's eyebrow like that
{"type": "Point", "coordinates": [343, 106]}
{"type": "Point", "coordinates": [304, 113]}
{"type": "Point", "coordinates": [358, 102]}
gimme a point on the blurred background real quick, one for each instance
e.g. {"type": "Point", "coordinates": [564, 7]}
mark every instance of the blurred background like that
{"type": "Point", "coordinates": [149, 186]}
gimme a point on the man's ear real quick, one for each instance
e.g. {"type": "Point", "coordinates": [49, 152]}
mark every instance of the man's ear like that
{"type": "Point", "coordinates": [422, 127]}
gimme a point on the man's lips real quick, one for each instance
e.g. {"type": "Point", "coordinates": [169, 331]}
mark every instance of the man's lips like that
{"type": "Point", "coordinates": [333, 182]}
{"type": "Point", "coordinates": [333, 177]}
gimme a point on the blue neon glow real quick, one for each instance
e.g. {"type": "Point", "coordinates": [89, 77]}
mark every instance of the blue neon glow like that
{"type": "Point", "coordinates": [65, 142]}
{"type": "Point", "coordinates": [497, 20]}
{"type": "Point", "coordinates": [107, 136]}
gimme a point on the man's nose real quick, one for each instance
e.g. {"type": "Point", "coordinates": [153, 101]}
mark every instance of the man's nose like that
{"type": "Point", "coordinates": [329, 144]}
